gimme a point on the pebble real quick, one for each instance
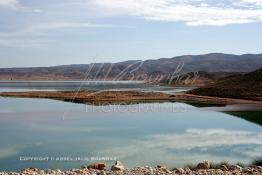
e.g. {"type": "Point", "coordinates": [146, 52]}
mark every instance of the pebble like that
{"type": "Point", "coordinates": [97, 166]}
{"type": "Point", "coordinates": [159, 170]}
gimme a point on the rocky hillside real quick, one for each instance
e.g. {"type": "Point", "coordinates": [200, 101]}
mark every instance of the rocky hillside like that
{"type": "Point", "coordinates": [246, 86]}
{"type": "Point", "coordinates": [139, 70]}
{"type": "Point", "coordinates": [196, 79]}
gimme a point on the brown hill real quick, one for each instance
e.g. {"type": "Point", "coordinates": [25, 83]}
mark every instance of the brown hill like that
{"type": "Point", "coordinates": [137, 69]}
{"type": "Point", "coordinates": [196, 79]}
{"type": "Point", "coordinates": [244, 86]}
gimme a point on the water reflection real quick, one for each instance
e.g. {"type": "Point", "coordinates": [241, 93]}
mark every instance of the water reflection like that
{"type": "Point", "coordinates": [193, 145]}
{"type": "Point", "coordinates": [36, 127]}
{"type": "Point", "coordinates": [252, 116]}
{"type": "Point", "coordinates": [7, 86]}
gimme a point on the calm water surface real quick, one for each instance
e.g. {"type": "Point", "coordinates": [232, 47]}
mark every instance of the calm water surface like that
{"type": "Point", "coordinates": [141, 134]}
{"type": "Point", "coordinates": [81, 85]}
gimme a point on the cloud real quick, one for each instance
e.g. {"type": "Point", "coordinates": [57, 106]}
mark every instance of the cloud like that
{"type": "Point", "coordinates": [252, 2]}
{"type": "Point", "coordinates": [40, 29]}
{"type": "Point", "coordinates": [37, 10]}
{"type": "Point", "coordinates": [192, 13]}
{"type": "Point", "coordinates": [9, 3]}
{"type": "Point", "coordinates": [55, 128]}
{"type": "Point", "coordinates": [24, 42]}
{"type": "Point", "coordinates": [200, 138]}
{"type": "Point", "coordinates": [207, 138]}
{"type": "Point", "coordinates": [193, 144]}
{"type": "Point", "coordinates": [37, 35]}
{"type": "Point", "coordinates": [16, 5]}
{"type": "Point", "coordinates": [63, 25]}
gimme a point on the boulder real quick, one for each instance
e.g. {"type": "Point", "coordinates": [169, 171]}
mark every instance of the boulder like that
{"type": "Point", "coordinates": [188, 170]}
{"type": "Point", "coordinates": [118, 166]}
{"type": "Point", "coordinates": [236, 167]}
{"type": "Point", "coordinates": [224, 168]}
{"type": "Point", "coordinates": [97, 166]}
{"type": "Point", "coordinates": [163, 168]}
{"type": "Point", "coordinates": [203, 165]}
{"type": "Point", "coordinates": [59, 171]}
{"type": "Point", "coordinates": [179, 171]}
{"type": "Point", "coordinates": [247, 170]}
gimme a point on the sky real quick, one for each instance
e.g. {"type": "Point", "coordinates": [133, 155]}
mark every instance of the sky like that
{"type": "Point", "coordinates": [60, 32]}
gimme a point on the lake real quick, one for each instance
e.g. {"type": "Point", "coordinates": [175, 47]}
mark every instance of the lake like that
{"type": "Point", "coordinates": [45, 133]}
{"type": "Point", "coordinates": [81, 85]}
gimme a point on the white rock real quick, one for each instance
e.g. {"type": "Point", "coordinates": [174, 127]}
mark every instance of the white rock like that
{"type": "Point", "coordinates": [163, 168]}
{"type": "Point", "coordinates": [179, 171]}
{"type": "Point", "coordinates": [118, 166]}
{"type": "Point", "coordinates": [224, 168]}
{"type": "Point", "coordinates": [236, 167]}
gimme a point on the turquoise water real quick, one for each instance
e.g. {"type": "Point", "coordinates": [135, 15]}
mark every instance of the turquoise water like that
{"type": "Point", "coordinates": [142, 134]}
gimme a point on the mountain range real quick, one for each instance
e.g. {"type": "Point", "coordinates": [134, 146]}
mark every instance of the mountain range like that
{"type": "Point", "coordinates": [139, 70]}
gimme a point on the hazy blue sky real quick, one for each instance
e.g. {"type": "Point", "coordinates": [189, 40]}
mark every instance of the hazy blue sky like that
{"type": "Point", "coordinates": [55, 32]}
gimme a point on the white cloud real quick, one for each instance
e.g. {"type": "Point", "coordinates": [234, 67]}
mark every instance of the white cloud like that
{"type": "Point", "coordinates": [16, 5]}
{"type": "Point", "coordinates": [9, 3]}
{"type": "Point", "coordinates": [63, 25]}
{"type": "Point", "coordinates": [37, 35]}
{"type": "Point", "coordinates": [54, 128]}
{"type": "Point", "coordinates": [193, 13]}
{"type": "Point", "coordinates": [193, 138]}
{"type": "Point", "coordinates": [192, 145]}
{"type": "Point", "coordinates": [252, 2]}
{"type": "Point", "coordinates": [41, 28]}
{"type": "Point", "coordinates": [37, 10]}
{"type": "Point", "coordinates": [24, 42]}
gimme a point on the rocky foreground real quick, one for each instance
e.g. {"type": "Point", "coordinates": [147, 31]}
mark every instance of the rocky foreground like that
{"type": "Point", "coordinates": [202, 168]}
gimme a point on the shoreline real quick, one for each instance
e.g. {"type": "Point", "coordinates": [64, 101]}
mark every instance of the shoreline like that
{"type": "Point", "coordinates": [126, 97]}
{"type": "Point", "coordinates": [213, 100]}
{"type": "Point", "coordinates": [100, 168]}
{"type": "Point", "coordinates": [95, 97]}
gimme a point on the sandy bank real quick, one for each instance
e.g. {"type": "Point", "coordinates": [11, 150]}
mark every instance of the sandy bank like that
{"type": "Point", "coordinates": [113, 96]}
{"type": "Point", "coordinates": [107, 97]}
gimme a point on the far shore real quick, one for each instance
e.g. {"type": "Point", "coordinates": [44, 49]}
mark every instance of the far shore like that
{"type": "Point", "coordinates": [120, 96]}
